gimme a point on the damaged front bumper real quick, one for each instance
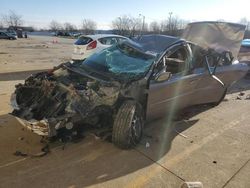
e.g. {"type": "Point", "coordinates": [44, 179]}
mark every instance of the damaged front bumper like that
{"type": "Point", "coordinates": [45, 127]}
{"type": "Point", "coordinates": [39, 127]}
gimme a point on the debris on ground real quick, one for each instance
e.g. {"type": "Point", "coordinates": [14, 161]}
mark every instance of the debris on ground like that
{"type": "Point", "coordinates": [180, 133]}
{"type": "Point", "coordinates": [147, 145]}
{"type": "Point", "coordinates": [103, 133]}
{"type": "Point", "coordinates": [148, 136]}
{"type": "Point", "coordinates": [247, 97]}
{"type": "Point", "coordinates": [238, 98]}
{"type": "Point", "coordinates": [19, 153]}
{"type": "Point", "coordinates": [243, 96]}
{"type": "Point", "coordinates": [95, 136]}
{"type": "Point", "coordinates": [196, 184]}
{"type": "Point", "coordinates": [241, 93]}
{"type": "Point", "coordinates": [44, 151]}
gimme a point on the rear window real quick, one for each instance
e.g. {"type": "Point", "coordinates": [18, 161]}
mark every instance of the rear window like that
{"type": "Point", "coordinates": [119, 39]}
{"type": "Point", "coordinates": [108, 40]}
{"type": "Point", "coordinates": [83, 41]}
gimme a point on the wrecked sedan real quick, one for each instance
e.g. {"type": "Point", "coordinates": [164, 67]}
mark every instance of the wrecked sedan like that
{"type": "Point", "coordinates": [124, 85]}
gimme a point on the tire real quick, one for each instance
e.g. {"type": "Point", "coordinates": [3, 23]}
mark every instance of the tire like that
{"type": "Point", "coordinates": [128, 125]}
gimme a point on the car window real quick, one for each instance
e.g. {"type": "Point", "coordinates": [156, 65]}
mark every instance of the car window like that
{"type": "Point", "coordinates": [121, 62]}
{"type": "Point", "coordinates": [108, 40]}
{"type": "Point", "coordinates": [198, 56]}
{"type": "Point", "coordinates": [176, 62]}
{"type": "Point", "coordinates": [214, 58]}
{"type": "Point", "coordinates": [83, 40]}
{"type": "Point", "coordinates": [120, 39]}
{"type": "Point", "coordinates": [219, 59]}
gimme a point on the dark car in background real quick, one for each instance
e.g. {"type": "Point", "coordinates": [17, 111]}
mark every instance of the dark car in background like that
{"type": "Point", "coordinates": [6, 35]}
{"type": "Point", "coordinates": [131, 82]}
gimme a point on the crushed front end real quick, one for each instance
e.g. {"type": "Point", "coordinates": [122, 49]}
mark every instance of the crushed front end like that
{"type": "Point", "coordinates": [62, 99]}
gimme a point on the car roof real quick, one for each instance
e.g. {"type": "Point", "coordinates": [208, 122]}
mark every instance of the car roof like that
{"type": "Point", "coordinates": [98, 36]}
{"type": "Point", "coordinates": [156, 43]}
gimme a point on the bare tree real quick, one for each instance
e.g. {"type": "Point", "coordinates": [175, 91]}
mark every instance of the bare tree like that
{"type": "Point", "coordinates": [69, 27]}
{"type": "Point", "coordinates": [127, 26]}
{"type": "Point", "coordinates": [55, 26]}
{"type": "Point", "coordinates": [131, 26]}
{"type": "Point", "coordinates": [122, 25]}
{"type": "Point", "coordinates": [136, 26]}
{"type": "Point", "coordinates": [146, 27]}
{"type": "Point", "coordinates": [88, 26]}
{"type": "Point", "coordinates": [245, 22]}
{"type": "Point", "coordinates": [172, 26]}
{"type": "Point", "coordinates": [164, 26]}
{"type": "Point", "coordinates": [12, 19]}
{"type": "Point", "coordinates": [1, 25]}
{"type": "Point", "coordinates": [155, 27]}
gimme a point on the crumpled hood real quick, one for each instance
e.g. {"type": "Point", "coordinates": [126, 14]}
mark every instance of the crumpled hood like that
{"type": "Point", "coordinates": [220, 36]}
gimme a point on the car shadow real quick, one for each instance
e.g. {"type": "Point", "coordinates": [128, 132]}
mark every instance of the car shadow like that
{"type": "Point", "coordinates": [93, 161]}
{"type": "Point", "coordinates": [159, 134]}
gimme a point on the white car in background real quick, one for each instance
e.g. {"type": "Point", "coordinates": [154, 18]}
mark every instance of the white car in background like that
{"type": "Point", "coordinates": [88, 44]}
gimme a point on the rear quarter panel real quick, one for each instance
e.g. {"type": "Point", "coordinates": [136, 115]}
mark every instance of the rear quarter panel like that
{"type": "Point", "coordinates": [232, 73]}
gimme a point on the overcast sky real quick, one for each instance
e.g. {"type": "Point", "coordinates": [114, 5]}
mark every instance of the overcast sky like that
{"type": "Point", "coordinates": [40, 13]}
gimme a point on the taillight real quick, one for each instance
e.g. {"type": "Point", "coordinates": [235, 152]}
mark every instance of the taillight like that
{"type": "Point", "coordinates": [92, 45]}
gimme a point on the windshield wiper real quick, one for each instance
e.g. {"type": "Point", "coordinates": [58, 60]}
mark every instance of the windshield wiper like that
{"type": "Point", "coordinates": [93, 73]}
{"type": "Point", "coordinates": [84, 73]}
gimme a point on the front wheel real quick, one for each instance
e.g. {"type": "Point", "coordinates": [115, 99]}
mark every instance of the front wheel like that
{"type": "Point", "coordinates": [128, 125]}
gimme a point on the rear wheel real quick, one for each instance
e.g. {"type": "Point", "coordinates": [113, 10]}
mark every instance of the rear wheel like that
{"type": "Point", "coordinates": [128, 125]}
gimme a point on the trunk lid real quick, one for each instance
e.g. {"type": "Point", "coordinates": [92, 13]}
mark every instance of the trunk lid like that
{"type": "Point", "coordinates": [220, 36]}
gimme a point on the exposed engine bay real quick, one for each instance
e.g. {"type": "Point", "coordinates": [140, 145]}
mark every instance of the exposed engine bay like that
{"type": "Point", "coordinates": [61, 98]}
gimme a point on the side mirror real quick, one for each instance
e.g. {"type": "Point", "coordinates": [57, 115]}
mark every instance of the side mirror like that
{"type": "Point", "coordinates": [163, 76]}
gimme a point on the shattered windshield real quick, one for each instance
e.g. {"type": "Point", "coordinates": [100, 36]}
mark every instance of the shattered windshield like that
{"type": "Point", "coordinates": [120, 62]}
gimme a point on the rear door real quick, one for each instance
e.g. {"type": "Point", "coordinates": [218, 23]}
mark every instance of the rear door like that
{"type": "Point", "coordinates": [218, 73]}
{"type": "Point", "coordinates": [167, 96]}
{"type": "Point", "coordinates": [224, 68]}
{"type": "Point", "coordinates": [208, 89]}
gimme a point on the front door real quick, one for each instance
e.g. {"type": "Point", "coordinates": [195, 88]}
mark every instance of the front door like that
{"type": "Point", "coordinates": [165, 97]}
